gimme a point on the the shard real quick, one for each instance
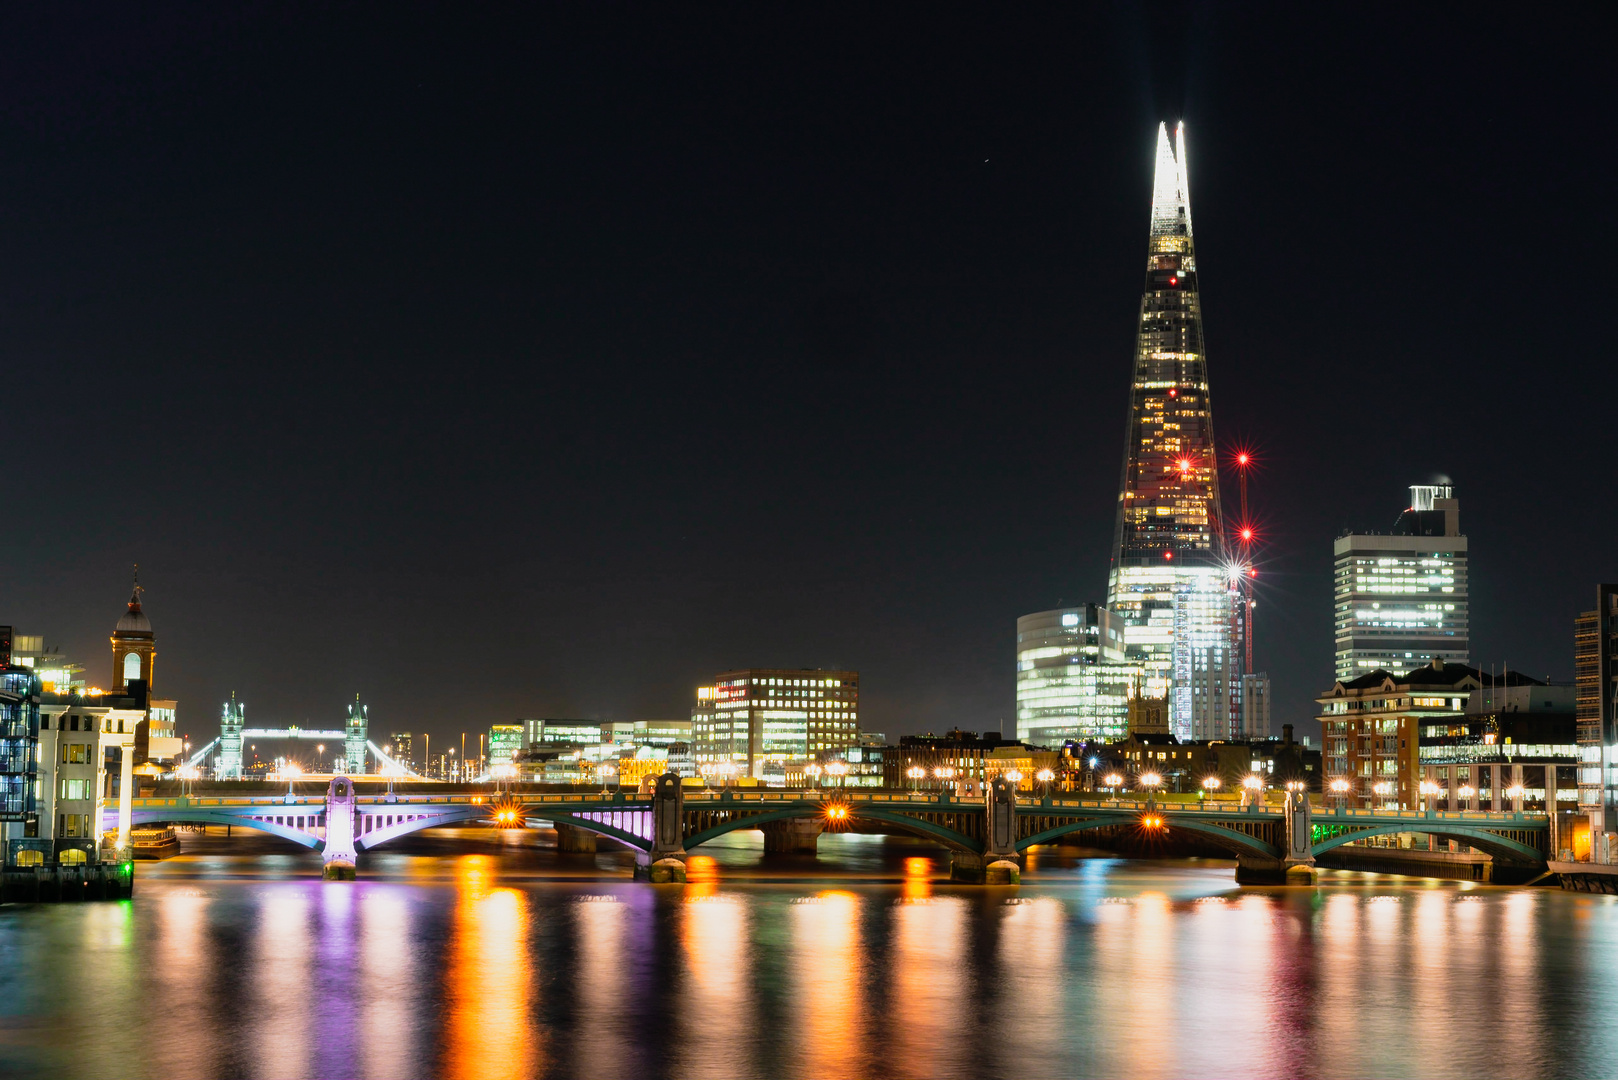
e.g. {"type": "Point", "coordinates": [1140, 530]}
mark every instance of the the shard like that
{"type": "Point", "coordinates": [1170, 578]}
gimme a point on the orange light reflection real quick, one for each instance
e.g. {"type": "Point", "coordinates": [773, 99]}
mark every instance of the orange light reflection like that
{"type": "Point", "coordinates": [488, 1032]}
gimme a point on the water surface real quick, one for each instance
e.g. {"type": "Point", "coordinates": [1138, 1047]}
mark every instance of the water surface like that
{"type": "Point", "coordinates": [470, 953]}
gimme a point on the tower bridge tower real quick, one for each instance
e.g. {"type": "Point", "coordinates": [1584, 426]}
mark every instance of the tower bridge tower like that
{"type": "Point", "coordinates": [230, 739]}
{"type": "Point", "coordinates": [355, 736]}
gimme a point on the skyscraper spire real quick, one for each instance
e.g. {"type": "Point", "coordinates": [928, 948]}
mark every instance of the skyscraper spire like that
{"type": "Point", "coordinates": [1171, 191]}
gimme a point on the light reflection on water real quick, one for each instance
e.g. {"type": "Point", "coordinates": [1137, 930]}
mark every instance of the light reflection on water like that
{"type": "Point", "coordinates": [471, 958]}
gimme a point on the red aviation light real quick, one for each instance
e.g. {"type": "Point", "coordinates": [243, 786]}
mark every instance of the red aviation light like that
{"type": "Point", "coordinates": [1242, 459]}
{"type": "Point", "coordinates": [1247, 533]}
{"type": "Point", "coordinates": [1173, 392]}
{"type": "Point", "coordinates": [1168, 554]}
{"type": "Point", "coordinates": [1184, 465]}
{"type": "Point", "coordinates": [1174, 281]}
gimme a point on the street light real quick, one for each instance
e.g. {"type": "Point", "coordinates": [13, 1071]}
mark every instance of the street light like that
{"type": "Point", "coordinates": [1113, 781]}
{"type": "Point", "coordinates": [1015, 776]}
{"type": "Point", "coordinates": [1466, 791]}
{"type": "Point", "coordinates": [605, 771]}
{"type": "Point", "coordinates": [1211, 783]}
{"type": "Point", "coordinates": [916, 774]}
{"type": "Point", "coordinates": [839, 769]}
{"type": "Point", "coordinates": [812, 770]}
{"type": "Point", "coordinates": [1339, 788]}
{"type": "Point", "coordinates": [1045, 776]}
{"type": "Point", "coordinates": [1148, 780]}
{"type": "Point", "coordinates": [944, 774]}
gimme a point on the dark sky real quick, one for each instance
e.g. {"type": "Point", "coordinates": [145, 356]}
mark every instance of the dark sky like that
{"type": "Point", "coordinates": [545, 362]}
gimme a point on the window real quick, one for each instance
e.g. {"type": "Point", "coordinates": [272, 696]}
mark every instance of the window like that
{"type": "Point", "coordinates": [131, 666]}
{"type": "Point", "coordinates": [71, 857]}
{"type": "Point", "coordinates": [74, 789]}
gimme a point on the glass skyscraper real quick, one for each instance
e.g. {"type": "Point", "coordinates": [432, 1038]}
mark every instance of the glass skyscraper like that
{"type": "Point", "coordinates": [1171, 582]}
{"type": "Point", "coordinates": [1072, 678]}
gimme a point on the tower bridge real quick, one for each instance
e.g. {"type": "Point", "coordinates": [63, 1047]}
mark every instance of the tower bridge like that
{"type": "Point", "coordinates": [353, 737]}
{"type": "Point", "coordinates": [987, 837]}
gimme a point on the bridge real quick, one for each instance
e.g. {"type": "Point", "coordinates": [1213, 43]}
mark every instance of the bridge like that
{"type": "Point", "coordinates": [986, 836]}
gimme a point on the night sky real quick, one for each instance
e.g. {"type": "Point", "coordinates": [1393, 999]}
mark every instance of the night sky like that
{"type": "Point", "coordinates": [545, 362]}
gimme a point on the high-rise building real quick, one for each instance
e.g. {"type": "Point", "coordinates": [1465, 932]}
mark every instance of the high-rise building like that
{"type": "Point", "coordinates": [1595, 683]}
{"type": "Point", "coordinates": [504, 742]}
{"type": "Point", "coordinates": [760, 719]}
{"type": "Point", "coordinates": [401, 748]}
{"type": "Point", "coordinates": [1073, 682]}
{"type": "Point", "coordinates": [1400, 598]}
{"type": "Point", "coordinates": [1255, 702]}
{"type": "Point", "coordinates": [1171, 580]}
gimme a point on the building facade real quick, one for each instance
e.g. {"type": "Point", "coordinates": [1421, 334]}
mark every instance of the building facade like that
{"type": "Point", "coordinates": [1595, 680]}
{"type": "Point", "coordinates": [1372, 728]}
{"type": "Point", "coordinates": [1255, 702]}
{"type": "Point", "coordinates": [758, 721]}
{"type": "Point", "coordinates": [505, 740]}
{"type": "Point", "coordinates": [1073, 681]}
{"type": "Point", "coordinates": [1400, 598]}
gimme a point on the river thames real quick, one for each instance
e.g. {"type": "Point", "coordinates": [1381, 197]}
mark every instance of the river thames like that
{"type": "Point", "coordinates": [472, 954]}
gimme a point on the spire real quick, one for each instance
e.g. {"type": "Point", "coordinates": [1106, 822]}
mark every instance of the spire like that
{"type": "Point", "coordinates": [1171, 189]}
{"type": "Point", "coordinates": [134, 595]}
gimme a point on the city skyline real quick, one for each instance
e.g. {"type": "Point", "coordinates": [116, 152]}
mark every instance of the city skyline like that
{"type": "Point", "coordinates": [616, 446]}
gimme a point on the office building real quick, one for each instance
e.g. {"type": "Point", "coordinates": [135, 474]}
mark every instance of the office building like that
{"type": "Point", "coordinates": [402, 748]}
{"type": "Point", "coordinates": [1255, 705]}
{"type": "Point", "coordinates": [1400, 598]}
{"type": "Point", "coordinates": [505, 740]}
{"type": "Point", "coordinates": [1595, 680]}
{"type": "Point", "coordinates": [1073, 681]}
{"type": "Point", "coordinates": [1172, 581]}
{"type": "Point", "coordinates": [758, 720]}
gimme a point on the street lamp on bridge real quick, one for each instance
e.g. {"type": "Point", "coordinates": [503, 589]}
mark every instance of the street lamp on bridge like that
{"type": "Point", "coordinates": [1045, 776]}
{"type": "Point", "coordinates": [839, 769]}
{"type": "Point", "coordinates": [916, 774]}
{"type": "Point", "coordinates": [812, 771]}
{"type": "Point", "coordinates": [1339, 788]}
{"type": "Point", "coordinates": [1113, 782]}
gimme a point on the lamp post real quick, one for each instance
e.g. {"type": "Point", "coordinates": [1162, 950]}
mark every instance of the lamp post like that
{"type": "Point", "coordinates": [1429, 792]}
{"type": "Point", "coordinates": [1382, 789]}
{"type": "Point", "coordinates": [1113, 781]}
{"type": "Point", "coordinates": [1252, 790]}
{"type": "Point", "coordinates": [1045, 776]}
{"type": "Point", "coordinates": [1015, 776]}
{"type": "Point", "coordinates": [839, 769]}
{"type": "Point", "coordinates": [1339, 788]}
{"type": "Point", "coordinates": [916, 774]}
{"type": "Point", "coordinates": [944, 774]}
{"type": "Point", "coordinates": [812, 771]}
{"type": "Point", "coordinates": [1515, 793]}
{"type": "Point", "coordinates": [1466, 791]}
{"type": "Point", "coordinates": [605, 771]}
{"type": "Point", "coordinates": [1211, 783]}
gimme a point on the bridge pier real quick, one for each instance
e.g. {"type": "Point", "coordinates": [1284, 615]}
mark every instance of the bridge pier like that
{"type": "Point", "coordinates": [1000, 863]}
{"type": "Point", "coordinates": [572, 840]}
{"type": "Point", "coordinates": [795, 836]}
{"type": "Point", "coordinates": [664, 861]}
{"type": "Point", "coordinates": [1296, 866]}
{"type": "Point", "coordinates": [339, 853]}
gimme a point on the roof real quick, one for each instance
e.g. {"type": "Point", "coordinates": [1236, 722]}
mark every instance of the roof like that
{"type": "Point", "coordinates": [134, 621]}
